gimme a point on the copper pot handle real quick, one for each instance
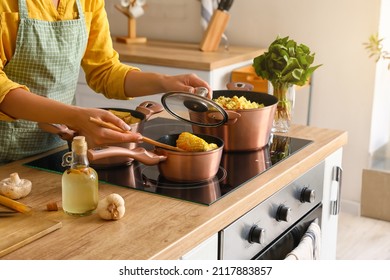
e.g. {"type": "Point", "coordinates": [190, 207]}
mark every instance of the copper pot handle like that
{"type": "Point", "coordinates": [60, 129]}
{"type": "Point", "coordinates": [240, 86]}
{"type": "Point", "coordinates": [149, 108]}
{"type": "Point", "coordinates": [139, 154]}
{"type": "Point", "coordinates": [232, 116]}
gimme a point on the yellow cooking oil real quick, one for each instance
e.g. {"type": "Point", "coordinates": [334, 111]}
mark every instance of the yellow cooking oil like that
{"type": "Point", "coordinates": [80, 194]}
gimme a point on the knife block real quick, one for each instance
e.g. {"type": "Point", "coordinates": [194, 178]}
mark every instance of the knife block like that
{"type": "Point", "coordinates": [215, 29]}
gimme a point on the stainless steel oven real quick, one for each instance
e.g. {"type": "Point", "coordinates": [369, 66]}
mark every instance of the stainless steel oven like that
{"type": "Point", "coordinates": [275, 227]}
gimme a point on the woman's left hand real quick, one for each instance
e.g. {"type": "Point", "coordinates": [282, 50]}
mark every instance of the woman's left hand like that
{"type": "Point", "coordinates": [143, 83]}
{"type": "Point", "coordinates": [187, 83]}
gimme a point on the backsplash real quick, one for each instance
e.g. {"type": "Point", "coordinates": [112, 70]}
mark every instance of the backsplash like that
{"type": "Point", "coordinates": [172, 20]}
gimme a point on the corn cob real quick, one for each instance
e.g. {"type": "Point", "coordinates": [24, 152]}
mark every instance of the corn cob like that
{"type": "Point", "coordinates": [125, 116]}
{"type": "Point", "coordinates": [192, 143]}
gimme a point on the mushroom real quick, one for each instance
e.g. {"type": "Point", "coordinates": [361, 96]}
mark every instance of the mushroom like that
{"type": "Point", "coordinates": [14, 187]}
{"type": "Point", "coordinates": [112, 207]}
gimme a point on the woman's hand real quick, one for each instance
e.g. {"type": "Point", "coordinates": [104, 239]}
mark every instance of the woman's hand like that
{"type": "Point", "coordinates": [186, 83]}
{"type": "Point", "coordinates": [96, 135]}
{"type": "Point", "coordinates": [144, 83]}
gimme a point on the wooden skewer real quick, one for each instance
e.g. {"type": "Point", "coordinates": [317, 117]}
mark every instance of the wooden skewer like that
{"type": "Point", "coordinates": [145, 139]}
{"type": "Point", "coordinates": [14, 205]}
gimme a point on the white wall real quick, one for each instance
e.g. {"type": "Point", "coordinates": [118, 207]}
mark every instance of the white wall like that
{"type": "Point", "coordinates": [343, 88]}
{"type": "Point", "coordinates": [381, 114]}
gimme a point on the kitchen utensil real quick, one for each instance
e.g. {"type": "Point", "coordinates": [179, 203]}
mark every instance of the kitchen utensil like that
{"type": "Point", "coordinates": [251, 130]}
{"type": "Point", "coordinates": [173, 165]}
{"type": "Point", "coordinates": [14, 205]}
{"type": "Point", "coordinates": [145, 139]}
{"type": "Point", "coordinates": [189, 166]}
{"type": "Point", "coordinates": [112, 152]}
{"type": "Point", "coordinates": [239, 86]}
{"type": "Point", "coordinates": [184, 106]}
{"type": "Point", "coordinates": [241, 130]}
{"type": "Point", "coordinates": [216, 27]}
{"type": "Point", "coordinates": [61, 130]}
{"type": "Point", "coordinates": [225, 5]}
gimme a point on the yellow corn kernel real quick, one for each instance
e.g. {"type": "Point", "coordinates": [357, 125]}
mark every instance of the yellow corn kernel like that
{"type": "Point", "coordinates": [125, 116]}
{"type": "Point", "coordinates": [192, 143]}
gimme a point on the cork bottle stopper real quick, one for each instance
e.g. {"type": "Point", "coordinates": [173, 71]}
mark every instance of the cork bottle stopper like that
{"type": "Point", "coordinates": [79, 145]}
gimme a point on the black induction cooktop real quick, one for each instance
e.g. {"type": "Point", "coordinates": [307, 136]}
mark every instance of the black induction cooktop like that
{"type": "Point", "coordinates": [236, 168]}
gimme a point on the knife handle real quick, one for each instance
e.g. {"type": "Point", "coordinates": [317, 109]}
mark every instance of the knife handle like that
{"type": "Point", "coordinates": [215, 29]}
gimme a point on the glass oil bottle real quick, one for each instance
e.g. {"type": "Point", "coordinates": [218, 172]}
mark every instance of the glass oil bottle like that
{"type": "Point", "coordinates": [80, 182]}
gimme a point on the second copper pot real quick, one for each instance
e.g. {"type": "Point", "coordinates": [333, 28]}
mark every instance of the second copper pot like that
{"type": "Point", "coordinates": [245, 130]}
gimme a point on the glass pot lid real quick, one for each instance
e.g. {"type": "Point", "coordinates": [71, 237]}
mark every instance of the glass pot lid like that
{"type": "Point", "coordinates": [194, 109]}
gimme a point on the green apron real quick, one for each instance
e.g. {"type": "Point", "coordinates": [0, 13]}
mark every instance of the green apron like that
{"type": "Point", "coordinates": [47, 60]}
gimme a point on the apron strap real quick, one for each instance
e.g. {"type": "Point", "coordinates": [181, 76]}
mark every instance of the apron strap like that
{"type": "Point", "coordinates": [23, 11]}
{"type": "Point", "coordinates": [80, 9]}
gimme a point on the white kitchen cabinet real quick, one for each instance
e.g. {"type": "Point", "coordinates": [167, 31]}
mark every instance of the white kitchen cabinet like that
{"type": "Point", "coordinates": [207, 250]}
{"type": "Point", "coordinates": [329, 224]}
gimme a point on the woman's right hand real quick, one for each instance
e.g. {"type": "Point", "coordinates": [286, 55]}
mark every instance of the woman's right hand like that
{"type": "Point", "coordinates": [47, 111]}
{"type": "Point", "coordinates": [97, 135]}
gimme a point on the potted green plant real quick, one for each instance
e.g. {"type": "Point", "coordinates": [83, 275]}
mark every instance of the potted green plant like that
{"type": "Point", "coordinates": [285, 64]}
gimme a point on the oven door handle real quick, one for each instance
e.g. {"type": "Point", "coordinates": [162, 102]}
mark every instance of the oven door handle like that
{"type": "Point", "coordinates": [335, 194]}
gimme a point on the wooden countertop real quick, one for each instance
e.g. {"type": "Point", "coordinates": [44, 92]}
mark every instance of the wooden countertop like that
{"type": "Point", "coordinates": [183, 55]}
{"type": "Point", "coordinates": [154, 226]}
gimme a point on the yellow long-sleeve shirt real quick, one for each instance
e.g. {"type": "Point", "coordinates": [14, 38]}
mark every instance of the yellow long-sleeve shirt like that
{"type": "Point", "coordinates": [104, 72]}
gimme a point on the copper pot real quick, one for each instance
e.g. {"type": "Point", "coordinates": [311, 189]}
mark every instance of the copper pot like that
{"type": "Point", "coordinates": [189, 166]}
{"type": "Point", "coordinates": [245, 130]}
{"type": "Point", "coordinates": [174, 166]}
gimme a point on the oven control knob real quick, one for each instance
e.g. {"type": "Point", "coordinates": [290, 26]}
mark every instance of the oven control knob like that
{"type": "Point", "coordinates": [283, 213]}
{"type": "Point", "coordinates": [307, 195]}
{"type": "Point", "coordinates": [257, 235]}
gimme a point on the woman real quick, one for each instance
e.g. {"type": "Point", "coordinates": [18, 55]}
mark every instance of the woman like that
{"type": "Point", "coordinates": [42, 45]}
